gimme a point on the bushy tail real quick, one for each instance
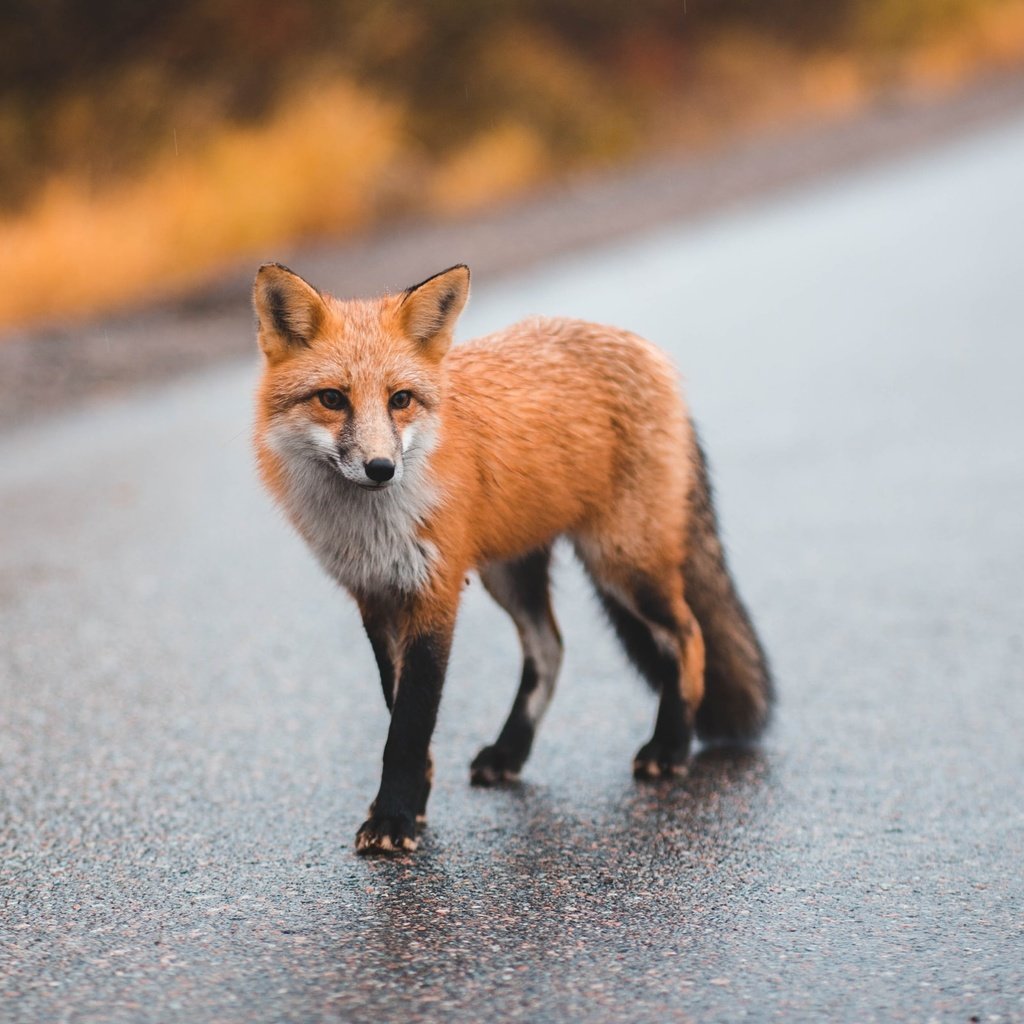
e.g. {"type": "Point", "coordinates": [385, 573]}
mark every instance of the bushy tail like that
{"type": "Point", "coordinates": [738, 689]}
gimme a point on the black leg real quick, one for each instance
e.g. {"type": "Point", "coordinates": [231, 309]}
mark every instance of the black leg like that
{"type": "Point", "coordinates": [383, 642]}
{"type": "Point", "coordinates": [656, 655]}
{"type": "Point", "coordinates": [428, 784]}
{"type": "Point", "coordinates": [521, 588]}
{"type": "Point", "coordinates": [392, 823]}
{"type": "Point", "coordinates": [503, 760]}
{"type": "Point", "coordinates": [383, 635]}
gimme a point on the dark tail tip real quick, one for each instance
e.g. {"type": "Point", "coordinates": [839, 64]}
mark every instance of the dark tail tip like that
{"type": "Point", "coordinates": [738, 688]}
{"type": "Point", "coordinates": [738, 695]}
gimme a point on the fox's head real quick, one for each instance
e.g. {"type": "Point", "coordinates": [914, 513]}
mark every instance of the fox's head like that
{"type": "Point", "coordinates": [355, 385]}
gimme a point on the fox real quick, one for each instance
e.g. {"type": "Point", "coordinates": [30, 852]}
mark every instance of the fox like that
{"type": "Point", "coordinates": [406, 462]}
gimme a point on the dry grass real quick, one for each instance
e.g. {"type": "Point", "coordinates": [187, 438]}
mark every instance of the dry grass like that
{"type": "Point", "coordinates": [314, 168]}
{"type": "Point", "coordinates": [498, 163]}
{"type": "Point", "coordinates": [993, 38]}
{"type": "Point", "coordinates": [334, 157]}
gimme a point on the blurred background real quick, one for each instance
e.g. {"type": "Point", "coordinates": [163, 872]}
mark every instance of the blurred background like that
{"type": "Point", "coordinates": [144, 145]}
{"type": "Point", "coordinates": [815, 208]}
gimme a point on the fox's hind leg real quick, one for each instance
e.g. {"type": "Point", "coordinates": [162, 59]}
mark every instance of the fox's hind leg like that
{"type": "Point", "coordinates": [521, 587]}
{"type": "Point", "coordinates": [663, 640]}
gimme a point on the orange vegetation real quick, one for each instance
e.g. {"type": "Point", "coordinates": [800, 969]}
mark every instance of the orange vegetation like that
{"type": "Point", "coordinates": [333, 156]}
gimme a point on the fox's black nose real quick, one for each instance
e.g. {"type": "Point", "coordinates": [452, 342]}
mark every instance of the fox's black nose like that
{"type": "Point", "coordinates": [379, 470]}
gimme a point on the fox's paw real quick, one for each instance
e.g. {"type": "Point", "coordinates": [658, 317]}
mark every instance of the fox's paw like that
{"type": "Point", "coordinates": [421, 815]}
{"type": "Point", "coordinates": [386, 835]}
{"type": "Point", "coordinates": [494, 765]}
{"type": "Point", "coordinates": [658, 760]}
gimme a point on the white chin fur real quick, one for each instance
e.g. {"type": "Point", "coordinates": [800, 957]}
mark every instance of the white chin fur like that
{"type": "Point", "coordinates": [366, 537]}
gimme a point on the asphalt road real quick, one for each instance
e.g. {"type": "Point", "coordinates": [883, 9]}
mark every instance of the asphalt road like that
{"type": "Point", "coordinates": [191, 728]}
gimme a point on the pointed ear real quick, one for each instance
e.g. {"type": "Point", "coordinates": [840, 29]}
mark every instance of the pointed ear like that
{"type": "Point", "coordinates": [429, 309]}
{"type": "Point", "coordinates": [288, 310]}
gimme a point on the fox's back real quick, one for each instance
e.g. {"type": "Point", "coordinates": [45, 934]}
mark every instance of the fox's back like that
{"type": "Point", "coordinates": [547, 374]}
{"type": "Point", "coordinates": [561, 419]}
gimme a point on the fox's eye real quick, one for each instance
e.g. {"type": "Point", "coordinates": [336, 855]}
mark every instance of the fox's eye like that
{"type": "Point", "coordinates": [401, 399]}
{"type": "Point", "coordinates": [332, 398]}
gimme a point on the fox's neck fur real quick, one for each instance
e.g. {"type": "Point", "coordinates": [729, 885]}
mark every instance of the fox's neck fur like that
{"type": "Point", "coordinates": [368, 541]}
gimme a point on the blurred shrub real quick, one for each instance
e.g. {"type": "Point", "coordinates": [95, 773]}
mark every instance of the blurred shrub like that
{"type": "Point", "coordinates": [314, 166]}
{"type": "Point", "coordinates": [496, 163]}
{"type": "Point", "coordinates": [141, 141]}
{"type": "Point", "coordinates": [95, 86]}
{"type": "Point", "coordinates": [896, 24]}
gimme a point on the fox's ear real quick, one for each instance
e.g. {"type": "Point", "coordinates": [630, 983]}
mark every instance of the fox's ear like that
{"type": "Point", "coordinates": [288, 309]}
{"type": "Point", "coordinates": [429, 309]}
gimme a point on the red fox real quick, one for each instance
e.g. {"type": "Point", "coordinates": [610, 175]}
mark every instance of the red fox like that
{"type": "Point", "coordinates": [405, 463]}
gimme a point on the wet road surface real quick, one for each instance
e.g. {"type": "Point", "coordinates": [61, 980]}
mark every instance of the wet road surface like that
{"type": "Point", "coordinates": [190, 726]}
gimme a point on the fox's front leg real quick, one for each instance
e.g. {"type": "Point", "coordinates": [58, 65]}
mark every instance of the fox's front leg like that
{"type": "Point", "coordinates": [383, 630]}
{"type": "Point", "coordinates": [405, 780]}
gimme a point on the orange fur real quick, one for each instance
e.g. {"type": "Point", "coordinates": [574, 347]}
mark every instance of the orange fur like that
{"type": "Point", "coordinates": [406, 463]}
{"type": "Point", "coordinates": [549, 427]}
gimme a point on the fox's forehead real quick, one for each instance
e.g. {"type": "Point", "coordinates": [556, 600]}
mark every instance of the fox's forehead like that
{"type": "Point", "coordinates": [355, 318]}
{"type": "Point", "coordinates": [358, 347]}
{"type": "Point", "coordinates": [362, 344]}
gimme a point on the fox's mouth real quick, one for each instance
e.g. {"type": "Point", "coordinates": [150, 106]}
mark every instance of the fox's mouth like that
{"type": "Point", "coordinates": [366, 485]}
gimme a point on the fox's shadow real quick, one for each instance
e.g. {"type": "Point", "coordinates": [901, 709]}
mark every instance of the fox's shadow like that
{"type": "Point", "coordinates": [719, 794]}
{"type": "Point", "coordinates": [545, 832]}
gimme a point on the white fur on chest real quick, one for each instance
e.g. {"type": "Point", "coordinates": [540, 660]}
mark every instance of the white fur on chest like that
{"type": "Point", "coordinates": [368, 541]}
